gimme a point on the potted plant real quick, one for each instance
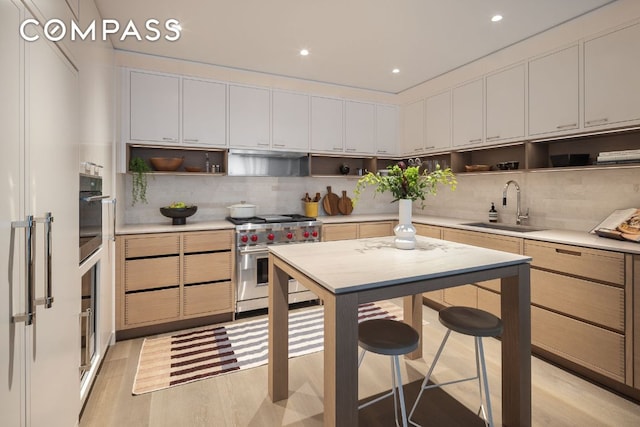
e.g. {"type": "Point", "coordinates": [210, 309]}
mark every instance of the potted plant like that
{"type": "Point", "coordinates": [139, 169]}
{"type": "Point", "coordinates": [407, 184]}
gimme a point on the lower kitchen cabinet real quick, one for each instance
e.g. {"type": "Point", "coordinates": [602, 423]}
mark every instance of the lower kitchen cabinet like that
{"type": "Point", "coordinates": [168, 277]}
{"type": "Point", "coordinates": [355, 230]}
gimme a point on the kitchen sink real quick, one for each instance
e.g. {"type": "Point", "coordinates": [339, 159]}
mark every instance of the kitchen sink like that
{"type": "Point", "coordinates": [506, 227]}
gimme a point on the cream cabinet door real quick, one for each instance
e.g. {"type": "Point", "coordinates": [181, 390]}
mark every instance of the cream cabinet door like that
{"type": "Point", "coordinates": [554, 90]}
{"type": "Point", "coordinates": [290, 121]}
{"type": "Point", "coordinates": [154, 107]}
{"type": "Point", "coordinates": [505, 102]}
{"type": "Point", "coordinates": [386, 130]}
{"type": "Point", "coordinates": [413, 126]}
{"type": "Point", "coordinates": [438, 122]}
{"type": "Point", "coordinates": [611, 82]}
{"type": "Point", "coordinates": [327, 125]}
{"type": "Point", "coordinates": [359, 127]}
{"type": "Point", "coordinates": [468, 113]}
{"type": "Point", "coordinates": [204, 112]}
{"type": "Point", "coordinates": [249, 117]}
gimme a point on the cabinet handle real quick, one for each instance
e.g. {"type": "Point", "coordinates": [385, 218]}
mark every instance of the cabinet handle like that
{"type": "Point", "coordinates": [475, 140]}
{"type": "Point", "coordinates": [47, 301]}
{"type": "Point", "coordinates": [279, 145]}
{"type": "Point", "coordinates": [30, 236]}
{"type": "Point", "coordinates": [382, 151]}
{"type": "Point", "coordinates": [166, 138]}
{"type": "Point", "coordinates": [567, 126]}
{"type": "Point", "coordinates": [351, 150]}
{"type": "Point", "coordinates": [430, 147]}
{"type": "Point", "coordinates": [568, 252]}
{"type": "Point", "coordinates": [337, 148]}
{"type": "Point", "coordinates": [489, 138]}
{"type": "Point", "coordinates": [88, 316]}
{"type": "Point", "coordinates": [263, 144]}
{"type": "Point", "coordinates": [597, 121]}
{"type": "Point", "coordinates": [191, 140]}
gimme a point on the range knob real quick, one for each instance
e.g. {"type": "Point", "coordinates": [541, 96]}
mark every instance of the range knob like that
{"type": "Point", "coordinates": [289, 235]}
{"type": "Point", "coordinates": [314, 233]}
{"type": "Point", "coordinates": [244, 238]}
{"type": "Point", "coordinates": [306, 234]}
{"type": "Point", "coordinates": [254, 238]}
{"type": "Point", "coordinates": [271, 236]}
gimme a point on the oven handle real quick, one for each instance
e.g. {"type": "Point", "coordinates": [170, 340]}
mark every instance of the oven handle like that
{"type": "Point", "coordinates": [94, 198]}
{"type": "Point", "coordinates": [251, 251]}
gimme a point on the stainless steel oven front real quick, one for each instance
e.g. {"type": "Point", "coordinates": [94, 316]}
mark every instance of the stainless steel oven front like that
{"type": "Point", "coordinates": [90, 217]}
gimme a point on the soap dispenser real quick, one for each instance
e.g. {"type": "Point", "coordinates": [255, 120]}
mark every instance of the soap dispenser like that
{"type": "Point", "coordinates": [493, 213]}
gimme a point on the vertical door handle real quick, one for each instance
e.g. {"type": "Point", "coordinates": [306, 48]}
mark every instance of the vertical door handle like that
{"type": "Point", "coordinates": [30, 235]}
{"type": "Point", "coordinates": [112, 212]}
{"type": "Point", "coordinates": [88, 316]}
{"type": "Point", "coordinates": [47, 301]}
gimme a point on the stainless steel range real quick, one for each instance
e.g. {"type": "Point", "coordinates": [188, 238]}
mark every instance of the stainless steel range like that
{"type": "Point", "coordinates": [253, 237]}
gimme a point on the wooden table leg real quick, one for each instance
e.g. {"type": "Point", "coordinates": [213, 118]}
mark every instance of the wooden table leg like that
{"type": "Point", "coordinates": [516, 349]}
{"type": "Point", "coordinates": [341, 361]}
{"type": "Point", "coordinates": [278, 333]}
{"type": "Point", "coordinates": [413, 317]}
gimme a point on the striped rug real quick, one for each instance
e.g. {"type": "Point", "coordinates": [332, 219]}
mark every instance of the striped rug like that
{"type": "Point", "coordinates": [201, 353]}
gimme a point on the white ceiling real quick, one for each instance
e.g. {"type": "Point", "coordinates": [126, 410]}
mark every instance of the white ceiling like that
{"type": "Point", "coordinates": [352, 42]}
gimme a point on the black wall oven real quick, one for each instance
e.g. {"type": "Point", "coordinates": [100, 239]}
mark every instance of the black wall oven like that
{"type": "Point", "coordinates": [90, 214]}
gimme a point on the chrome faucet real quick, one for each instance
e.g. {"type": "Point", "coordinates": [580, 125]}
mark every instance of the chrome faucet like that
{"type": "Point", "coordinates": [519, 216]}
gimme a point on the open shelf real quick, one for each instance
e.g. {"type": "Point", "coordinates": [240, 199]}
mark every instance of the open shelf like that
{"type": "Point", "coordinates": [192, 157]}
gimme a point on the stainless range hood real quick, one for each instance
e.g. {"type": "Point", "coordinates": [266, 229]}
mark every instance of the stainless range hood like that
{"type": "Point", "coordinates": [267, 163]}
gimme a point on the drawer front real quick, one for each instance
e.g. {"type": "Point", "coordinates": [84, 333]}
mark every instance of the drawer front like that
{"type": "Point", "coordinates": [465, 295]}
{"type": "Point", "coordinates": [595, 348]}
{"type": "Point", "coordinates": [493, 284]}
{"type": "Point", "coordinates": [214, 298]}
{"type": "Point", "coordinates": [489, 301]}
{"type": "Point", "coordinates": [339, 232]}
{"type": "Point", "coordinates": [152, 245]}
{"type": "Point", "coordinates": [152, 307]}
{"type": "Point", "coordinates": [207, 267]}
{"type": "Point", "coordinates": [437, 296]}
{"type": "Point", "coordinates": [149, 273]}
{"type": "Point", "coordinates": [589, 263]}
{"type": "Point", "coordinates": [484, 240]}
{"type": "Point", "coordinates": [208, 241]}
{"type": "Point", "coordinates": [590, 301]}
{"type": "Point", "coordinates": [376, 229]}
{"type": "Point", "coordinates": [428, 231]}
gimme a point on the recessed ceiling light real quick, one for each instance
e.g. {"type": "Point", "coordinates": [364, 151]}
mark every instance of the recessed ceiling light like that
{"type": "Point", "coordinates": [395, 70]}
{"type": "Point", "coordinates": [304, 52]}
{"type": "Point", "coordinates": [496, 18]}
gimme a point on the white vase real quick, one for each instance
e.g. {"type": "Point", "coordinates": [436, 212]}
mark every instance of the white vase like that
{"type": "Point", "coordinates": [405, 231]}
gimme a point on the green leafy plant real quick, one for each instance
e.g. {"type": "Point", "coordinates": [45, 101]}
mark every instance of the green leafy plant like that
{"type": "Point", "coordinates": [407, 182]}
{"type": "Point", "coordinates": [139, 168]}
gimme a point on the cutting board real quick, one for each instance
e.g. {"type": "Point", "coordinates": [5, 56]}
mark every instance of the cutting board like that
{"type": "Point", "coordinates": [330, 202]}
{"type": "Point", "coordinates": [344, 204]}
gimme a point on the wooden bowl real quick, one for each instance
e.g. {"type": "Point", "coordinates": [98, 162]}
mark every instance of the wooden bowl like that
{"type": "Point", "coordinates": [193, 168]}
{"type": "Point", "coordinates": [178, 215]}
{"type": "Point", "coordinates": [477, 168]}
{"type": "Point", "coordinates": [166, 163]}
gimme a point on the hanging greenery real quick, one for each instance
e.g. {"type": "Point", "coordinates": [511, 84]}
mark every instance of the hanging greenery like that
{"type": "Point", "coordinates": [139, 168]}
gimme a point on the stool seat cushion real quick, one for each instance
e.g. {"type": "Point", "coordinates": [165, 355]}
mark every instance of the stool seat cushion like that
{"type": "Point", "coordinates": [471, 321]}
{"type": "Point", "coordinates": [388, 337]}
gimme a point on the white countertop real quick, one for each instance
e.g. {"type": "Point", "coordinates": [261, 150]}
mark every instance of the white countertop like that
{"type": "Point", "coordinates": [576, 238]}
{"type": "Point", "coordinates": [350, 265]}
{"type": "Point", "coordinates": [567, 237]}
{"type": "Point", "coordinates": [166, 227]}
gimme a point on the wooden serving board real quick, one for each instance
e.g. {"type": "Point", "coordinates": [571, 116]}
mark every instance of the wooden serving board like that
{"type": "Point", "coordinates": [344, 204]}
{"type": "Point", "coordinates": [330, 202]}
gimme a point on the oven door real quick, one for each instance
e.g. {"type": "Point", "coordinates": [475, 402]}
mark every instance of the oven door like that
{"type": "Point", "coordinates": [253, 274]}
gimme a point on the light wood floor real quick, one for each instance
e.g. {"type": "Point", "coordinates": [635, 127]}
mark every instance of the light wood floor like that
{"type": "Point", "coordinates": [240, 399]}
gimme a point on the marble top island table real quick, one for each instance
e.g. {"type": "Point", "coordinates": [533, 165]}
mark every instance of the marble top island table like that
{"type": "Point", "coordinates": [347, 273]}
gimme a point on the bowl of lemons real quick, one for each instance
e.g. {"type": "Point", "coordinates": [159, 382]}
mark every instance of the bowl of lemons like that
{"type": "Point", "coordinates": [178, 212]}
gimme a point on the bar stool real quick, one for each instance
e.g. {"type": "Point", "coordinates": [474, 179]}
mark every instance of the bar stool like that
{"type": "Point", "coordinates": [476, 323]}
{"type": "Point", "coordinates": [391, 338]}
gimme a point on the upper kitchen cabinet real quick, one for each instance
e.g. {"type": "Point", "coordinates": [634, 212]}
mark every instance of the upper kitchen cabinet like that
{"type": "Point", "coordinates": [468, 113]}
{"type": "Point", "coordinates": [290, 121]}
{"type": "Point", "coordinates": [505, 103]}
{"type": "Point", "coordinates": [611, 80]}
{"type": "Point", "coordinates": [413, 125]}
{"type": "Point", "coordinates": [154, 107]}
{"type": "Point", "coordinates": [249, 109]}
{"type": "Point", "coordinates": [386, 130]}
{"type": "Point", "coordinates": [204, 112]}
{"type": "Point", "coordinates": [554, 90]}
{"type": "Point", "coordinates": [438, 122]}
{"type": "Point", "coordinates": [326, 125]}
{"type": "Point", "coordinates": [359, 127]}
